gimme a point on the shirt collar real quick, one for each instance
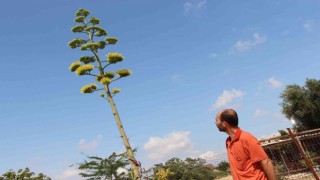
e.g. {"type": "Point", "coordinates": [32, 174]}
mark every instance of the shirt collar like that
{"type": "Point", "coordinates": [236, 136]}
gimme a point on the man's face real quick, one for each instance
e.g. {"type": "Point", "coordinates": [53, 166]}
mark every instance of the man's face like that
{"type": "Point", "coordinates": [220, 124]}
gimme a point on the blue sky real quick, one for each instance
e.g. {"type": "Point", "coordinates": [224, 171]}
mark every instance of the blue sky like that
{"type": "Point", "coordinates": [190, 59]}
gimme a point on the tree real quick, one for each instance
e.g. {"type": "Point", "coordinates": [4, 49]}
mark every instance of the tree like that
{"type": "Point", "coordinates": [23, 174]}
{"type": "Point", "coordinates": [283, 132]}
{"type": "Point", "coordinates": [163, 174]}
{"type": "Point", "coordinates": [96, 67]}
{"type": "Point", "coordinates": [104, 168]}
{"type": "Point", "coordinates": [302, 104]}
{"type": "Point", "coordinates": [223, 166]}
{"type": "Point", "coordinates": [189, 169]}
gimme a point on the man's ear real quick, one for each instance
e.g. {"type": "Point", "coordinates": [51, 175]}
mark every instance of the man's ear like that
{"type": "Point", "coordinates": [225, 123]}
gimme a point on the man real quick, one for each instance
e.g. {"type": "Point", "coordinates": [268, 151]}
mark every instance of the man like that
{"type": "Point", "coordinates": [248, 160]}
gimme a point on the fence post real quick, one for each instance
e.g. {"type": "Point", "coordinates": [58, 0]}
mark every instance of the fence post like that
{"type": "Point", "coordinates": [302, 153]}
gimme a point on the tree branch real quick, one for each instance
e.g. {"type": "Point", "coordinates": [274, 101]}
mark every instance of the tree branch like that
{"type": "Point", "coordinates": [91, 74]}
{"type": "Point", "coordinates": [84, 23]}
{"type": "Point", "coordinates": [96, 54]}
{"type": "Point", "coordinates": [99, 89]}
{"type": "Point", "coordinates": [99, 62]}
{"type": "Point", "coordinates": [105, 66]}
{"type": "Point", "coordinates": [116, 79]}
{"type": "Point", "coordinates": [92, 34]}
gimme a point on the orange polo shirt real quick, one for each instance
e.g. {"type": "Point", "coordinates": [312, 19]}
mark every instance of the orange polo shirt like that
{"type": "Point", "coordinates": [244, 151]}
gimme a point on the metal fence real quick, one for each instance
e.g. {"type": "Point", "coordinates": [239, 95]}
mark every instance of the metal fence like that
{"type": "Point", "coordinates": [296, 155]}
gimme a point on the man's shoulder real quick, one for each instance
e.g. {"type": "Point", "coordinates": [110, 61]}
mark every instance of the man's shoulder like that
{"type": "Point", "coordinates": [247, 136]}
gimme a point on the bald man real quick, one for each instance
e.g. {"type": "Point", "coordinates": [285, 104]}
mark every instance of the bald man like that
{"type": "Point", "coordinates": [248, 160]}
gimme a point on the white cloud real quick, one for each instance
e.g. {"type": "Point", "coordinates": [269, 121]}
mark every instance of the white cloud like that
{"type": "Point", "coordinates": [85, 145]}
{"type": "Point", "coordinates": [241, 46]}
{"type": "Point", "coordinates": [214, 157]}
{"type": "Point", "coordinates": [226, 71]}
{"type": "Point", "coordinates": [213, 55]}
{"type": "Point", "coordinates": [171, 144]}
{"type": "Point", "coordinates": [176, 79]}
{"type": "Point", "coordinates": [209, 155]}
{"type": "Point", "coordinates": [285, 32]}
{"type": "Point", "coordinates": [69, 174]}
{"type": "Point", "coordinates": [260, 113]}
{"type": "Point", "coordinates": [194, 6]}
{"type": "Point", "coordinates": [274, 83]}
{"type": "Point", "coordinates": [294, 122]}
{"type": "Point", "coordinates": [122, 170]}
{"type": "Point", "coordinates": [308, 25]}
{"type": "Point", "coordinates": [227, 97]}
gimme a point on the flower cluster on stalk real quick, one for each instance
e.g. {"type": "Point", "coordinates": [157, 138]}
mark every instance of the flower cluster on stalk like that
{"type": "Point", "coordinates": [93, 65]}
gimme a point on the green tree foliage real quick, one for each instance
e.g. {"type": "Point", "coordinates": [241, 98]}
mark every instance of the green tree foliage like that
{"type": "Point", "coordinates": [223, 166]}
{"type": "Point", "coordinates": [283, 132]}
{"type": "Point", "coordinates": [94, 40]}
{"type": "Point", "coordinates": [302, 103]}
{"type": "Point", "coordinates": [189, 169]}
{"type": "Point", "coordinates": [284, 135]}
{"type": "Point", "coordinates": [23, 174]}
{"type": "Point", "coordinates": [96, 168]}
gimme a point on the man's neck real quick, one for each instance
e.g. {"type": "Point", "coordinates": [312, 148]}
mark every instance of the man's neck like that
{"type": "Point", "coordinates": [231, 132]}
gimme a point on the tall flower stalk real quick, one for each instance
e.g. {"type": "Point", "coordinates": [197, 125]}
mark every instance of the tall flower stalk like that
{"type": "Point", "coordinates": [97, 67]}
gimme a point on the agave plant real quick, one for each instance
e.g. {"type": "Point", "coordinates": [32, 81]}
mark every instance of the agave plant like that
{"type": "Point", "coordinates": [95, 41]}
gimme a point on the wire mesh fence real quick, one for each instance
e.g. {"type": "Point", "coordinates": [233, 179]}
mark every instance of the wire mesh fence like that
{"type": "Point", "coordinates": [296, 155]}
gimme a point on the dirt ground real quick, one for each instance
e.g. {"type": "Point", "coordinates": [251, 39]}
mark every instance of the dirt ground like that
{"type": "Point", "coordinates": [301, 176]}
{"type": "Point", "coordinates": [226, 178]}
